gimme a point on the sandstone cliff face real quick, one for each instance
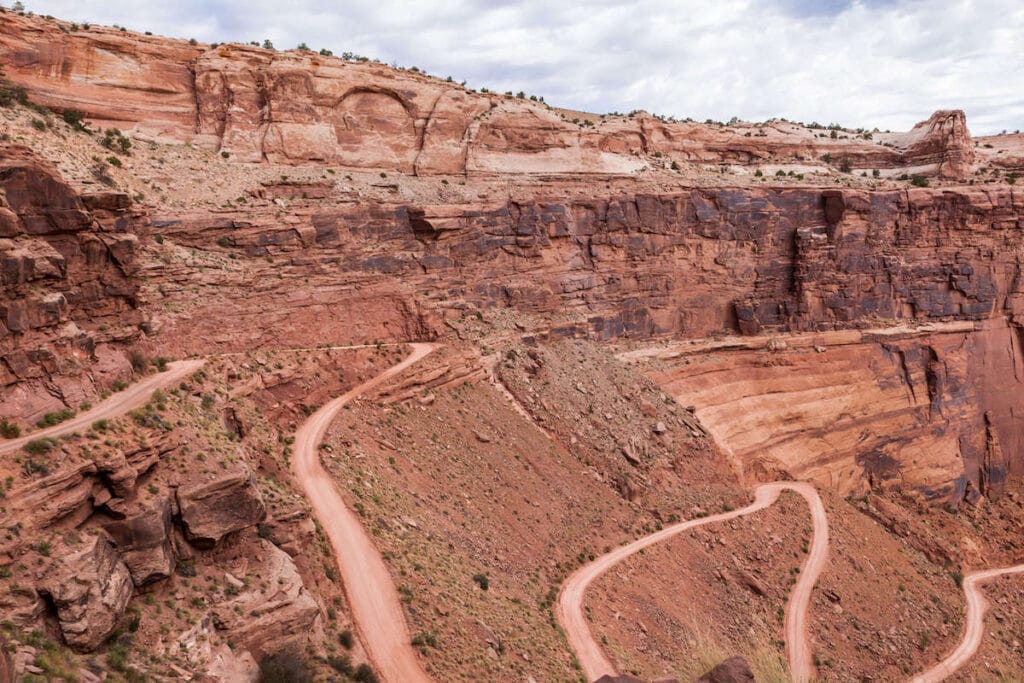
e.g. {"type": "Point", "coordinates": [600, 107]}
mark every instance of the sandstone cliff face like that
{"type": "Point", "coordinates": [68, 298]}
{"type": "Point", "coordinates": [256, 105]}
{"type": "Point", "coordinates": [925, 409]}
{"type": "Point", "coordinates": [695, 263]}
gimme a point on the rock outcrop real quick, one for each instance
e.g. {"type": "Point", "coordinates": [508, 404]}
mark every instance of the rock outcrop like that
{"type": "Point", "coordinates": [144, 542]}
{"type": "Point", "coordinates": [210, 510]}
{"type": "Point", "coordinates": [273, 611]}
{"type": "Point", "coordinates": [732, 670]}
{"type": "Point", "coordinates": [67, 289]}
{"type": "Point", "coordinates": [255, 104]}
{"type": "Point", "coordinates": [943, 141]}
{"type": "Point", "coordinates": [89, 586]}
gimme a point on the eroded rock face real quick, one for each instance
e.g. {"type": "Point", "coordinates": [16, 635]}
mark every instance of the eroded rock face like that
{"type": "Point", "coordinates": [942, 140]}
{"type": "Point", "coordinates": [213, 509]}
{"type": "Point", "coordinates": [296, 106]}
{"type": "Point", "coordinates": [271, 611]}
{"type": "Point", "coordinates": [90, 587]}
{"type": "Point", "coordinates": [67, 269]}
{"type": "Point", "coordinates": [732, 670]}
{"type": "Point", "coordinates": [143, 540]}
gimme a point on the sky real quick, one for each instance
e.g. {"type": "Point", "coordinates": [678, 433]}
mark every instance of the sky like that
{"type": "Point", "coordinates": [860, 63]}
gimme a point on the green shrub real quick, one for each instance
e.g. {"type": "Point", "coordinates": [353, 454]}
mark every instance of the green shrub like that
{"type": "Point", "coordinates": [918, 181]}
{"type": "Point", "coordinates": [73, 118]}
{"type": "Point", "coordinates": [55, 418]}
{"type": "Point", "coordinates": [424, 639]}
{"type": "Point", "coordinates": [9, 430]}
{"type": "Point", "coordinates": [346, 638]}
{"type": "Point", "coordinates": [39, 124]}
{"type": "Point", "coordinates": [287, 666]}
{"type": "Point", "coordinates": [482, 581]}
{"type": "Point", "coordinates": [115, 140]}
{"type": "Point", "coordinates": [364, 674]}
{"type": "Point", "coordinates": [11, 94]}
{"type": "Point", "coordinates": [342, 664]}
{"type": "Point", "coordinates": [39, 446]}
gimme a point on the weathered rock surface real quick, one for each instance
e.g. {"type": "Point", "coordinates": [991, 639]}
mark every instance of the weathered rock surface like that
{"type": "Point", "coordinates": [6, 662]}
{"type": "Point", "coordinates": [275, 609]}
{"type": "Point", "coordinates": [144, 542]}
{"type": "Point", "coordinates": [210, 510]}
{"type": "Point", "coordinates": [732, 670]}
{"type": "Point", "coordinates": [928, 408]}
{"type": "Point", "coordinates": [72, 494]}
{"type": "Point", "coordinates": [297, 106]}
{"type": "Point", "coordinates": [90, 587]}
{"type": "Point", "coordinates": [67, 289]}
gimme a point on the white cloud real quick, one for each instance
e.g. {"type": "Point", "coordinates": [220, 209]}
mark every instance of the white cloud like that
{"type": "Point", "coordinates": [885, 63]}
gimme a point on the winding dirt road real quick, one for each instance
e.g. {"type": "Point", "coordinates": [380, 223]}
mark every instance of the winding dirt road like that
{"type": "Point", "coordinates": [977, 605]}
{"type": "Point", "coordinates": [132, 397]}
{"type": "Point", "coordinates": [376, 610]}
{"type": "Point", "coordinates": [569, 606]}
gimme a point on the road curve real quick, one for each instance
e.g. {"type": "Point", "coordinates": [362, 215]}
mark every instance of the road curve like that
{"type": "Point", "coordinates": [132, 397]}
{"type": "Point", "coordinates": [376, 610]}
{"type": "Point", "coordinates": [977, 605]}
{"type": "Point", "coordinates": [592, 659]}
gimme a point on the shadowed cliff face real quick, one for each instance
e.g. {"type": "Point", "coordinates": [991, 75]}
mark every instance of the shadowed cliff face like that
{"type": "Point", "coordinates": [68, 269]}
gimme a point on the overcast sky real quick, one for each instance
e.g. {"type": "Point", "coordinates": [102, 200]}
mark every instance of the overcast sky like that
{"type": "Point", "coordinates": [884, 63]}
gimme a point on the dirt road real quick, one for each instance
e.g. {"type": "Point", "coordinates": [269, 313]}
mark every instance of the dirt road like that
{"type": "Point", "coordinates": [131, 398]}
{"type": "Point", "coordinates": [975, 625]}
{"type": "Point", "coordinates": [376, 610]}
{"type": "Point", "coordinates": [569, 606]}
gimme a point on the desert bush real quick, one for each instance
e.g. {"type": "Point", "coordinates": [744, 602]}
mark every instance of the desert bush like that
{"type": "Point", "coordinates": [346, 638]}
{"type": "Point", "coordinates": [55, 417]}
{"type": "Point", "coordinates": [9, 430]}
{"type": "Point", "coordinates": [365, 674]}
{"type": "Point", "coordinates": [287, 666]}
{"type": "Point", "coordinates": [39, 446]}
{"type": "Point", "coordinates": [918, 181]}
{"type": "Point", "coordinates": [73, 118]}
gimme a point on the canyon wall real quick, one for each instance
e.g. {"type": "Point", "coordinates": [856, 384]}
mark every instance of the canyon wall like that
{"type": "Point", "coordinates": [68, 305]}
{"type": "Point", "coordinates": [697, 263]}
{"type": "Point", "coordinates": [298, 106]}
{"type": "Point", "coordinates": [929, 408]}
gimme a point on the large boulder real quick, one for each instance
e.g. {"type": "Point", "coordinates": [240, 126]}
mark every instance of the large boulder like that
{"type": "Point", "coordinates": [90, 586]}
{"type": "Point", "coordinates": [211, 510]}
{"type": "Point", "coordinates": [732, 670]}
{"type": "Point", "coordinates": [272, 610]}
{"type": "Point", "coordinates": [144, 542]}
